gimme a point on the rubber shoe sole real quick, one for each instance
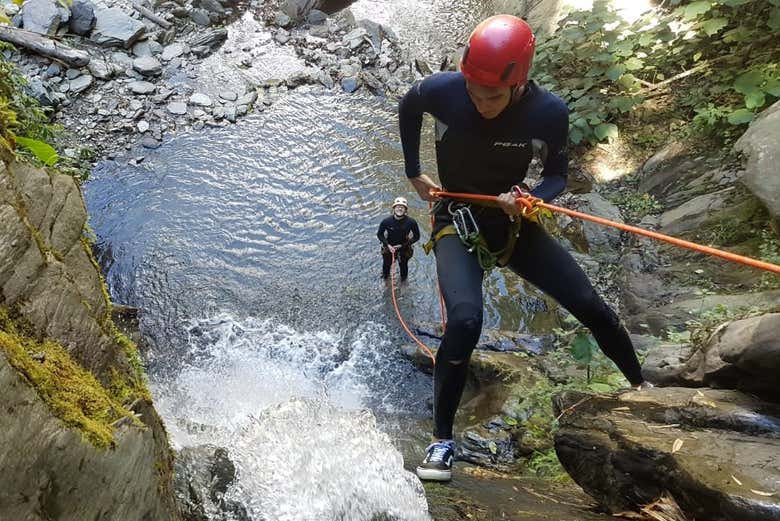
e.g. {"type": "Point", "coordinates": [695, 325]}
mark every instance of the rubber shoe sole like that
{"type": "Point", "coordinates": [434, 474]}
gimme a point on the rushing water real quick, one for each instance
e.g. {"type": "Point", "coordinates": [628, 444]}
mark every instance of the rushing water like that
{"type": "Point", "coordinates": [252, 254]}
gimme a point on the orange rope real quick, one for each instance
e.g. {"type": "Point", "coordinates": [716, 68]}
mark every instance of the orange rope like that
{"type": "Point", "coordinates": [401, 319]}
{"type": "Point", "coordinates": [492, 200]}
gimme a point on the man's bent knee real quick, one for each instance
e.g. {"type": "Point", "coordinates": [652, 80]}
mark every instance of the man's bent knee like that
{"type": "Point", "coordinates": [464, 325]}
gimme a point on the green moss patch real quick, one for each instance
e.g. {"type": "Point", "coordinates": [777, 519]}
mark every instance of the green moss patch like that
{"type": "Point", "coordinates": [72, 393]}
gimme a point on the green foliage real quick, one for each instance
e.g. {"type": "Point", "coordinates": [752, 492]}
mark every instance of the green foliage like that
{"type": "Point", "coordinates": [718, 58]}
{"type": "Point", "coordinates": [545, 464]}
{"type": "Point", "coordinates": [636, 205]}
{"type": "Point", "coordinates": [22, 116]}
{"type": "Point", "coordinates": [769, 251]}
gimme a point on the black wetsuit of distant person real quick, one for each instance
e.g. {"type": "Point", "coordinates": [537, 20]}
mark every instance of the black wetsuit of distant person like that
{"type": "Point", "coordinates": [402, 232]}
{"type": "Point", "coordinates": [489, 156]}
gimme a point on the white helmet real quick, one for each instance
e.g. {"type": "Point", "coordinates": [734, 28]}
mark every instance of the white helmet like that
{"type": "Point", "coordinates": [400, 201]}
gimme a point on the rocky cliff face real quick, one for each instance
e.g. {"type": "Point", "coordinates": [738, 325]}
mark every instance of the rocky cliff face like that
{"type": "Point", "coordinates": [80, 437]}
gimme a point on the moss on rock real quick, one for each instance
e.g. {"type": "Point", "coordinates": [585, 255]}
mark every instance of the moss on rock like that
{"type": "Point", "coordinates": [73, 394]}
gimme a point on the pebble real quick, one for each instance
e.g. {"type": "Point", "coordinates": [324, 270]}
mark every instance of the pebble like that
{"type": "Point", "coordinates": [80, 84]}
{"type": "Point", "coordinates": [72, 74]}
{"type": "Point", "coordinates": [228, 95]}
{"type": "Point", "coordinates": [150, 142]}
{"type": "Point", "coordinates": [147, 65]}
{"type": "Point", "coordinates": [141, 87]}
{"type": "Point", "coordinates": [143, 126]}
{"type": "Point", "coordinates": [350, 84]}
{"type": "Point", "coordinates": [177, 107]}
{"type": "Point", "coordinates": [200, 99]}
{"type": "Point", "coordinates": [172, 51]}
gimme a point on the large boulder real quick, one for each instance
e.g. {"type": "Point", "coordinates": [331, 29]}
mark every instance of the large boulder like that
{"type": "Point", "coordinates": [82, 17]}
{"type": "Point", "coordinates": [41, 16]}
{"type": "Point", "coordinates": [714, 451]}
{"type": "Point", "coordinates": [744, 354]}
{"type": "Point", "coordinates": [62, 362]}
{"type": "Point", "coordinates": [761, 145]}
{"type": "Point", "coordinates": [602, 241]}
{"type": "Point", "coordinates": [695, 212]}
{"type": "Point", "coordinates": [114, 28]}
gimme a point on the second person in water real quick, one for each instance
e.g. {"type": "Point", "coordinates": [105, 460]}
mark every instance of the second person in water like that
{"type": "Point", "coordinates": [397, 234]}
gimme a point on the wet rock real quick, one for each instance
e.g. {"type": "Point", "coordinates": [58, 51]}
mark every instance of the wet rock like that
{"type": "Point", "coordinates": [489, 445]}
{"type": "Point", "coordinates": [355, 38]}
{"type": "Point", "coordinates": [141, 49]}
{"type": "Point", "coordinates": [231, 113]}
{"type": "Point", "coordinates": [282, 20]}
{"type": "Point", "coordinates": [10, 8]}
{"type": "Point", "coordinates": [200, 17]}
{"type": "Point", "coordinates": [714, 451]}
{"type": "Point", "coordinates": [147, 65]}
{"type": "Point", "coordinates": [665, 364]}
{"type": "Point", "coordinates": [72, 74]}
{"type": "Point", "coordinates": [99, 68]}
{"type": "Point", "coordinates": [114, 28]}
{"type": "Point", "coordinates": [172, 51]}
{"type": "Point", "coordinates": [297, 9]}
{"type": "Point", "coordinates": [82, 17]}
{"type": "Point", "coordinates": [204, 43]}
{"type": "Point", "coordinates": [247, 99]}
{"type": "Point", "coordinates": [760, 144]}
{"type": "Point", "coordinates": [316, 17]}
{"type": "Point", "coordinates": [52, 70]}
{"type": "Point", "coordinates": [200, 99]}
{"type": "Point", "coordinates": [41, 16]}
{"type": "Point", "coordinates": [350, 84]}
{"type": "Point", "coordinates": [142, 126]}
{"type": "Point", "coordinates": [141, 87]}
{"type": "Point", "coordinates": [122, 59]}
{"type": "Point", "coordinates": [177, 107]}
{"type": "Point", "coordinates": [228, 95]}
{"type": "Point", "coordinates": [202, 477]}
{"type": "Point", "coordinates": [80, 84]}
{"type": "Point", "coordinates": [36, 89]}
{"type": "Point", "coordinates": [150, 142]}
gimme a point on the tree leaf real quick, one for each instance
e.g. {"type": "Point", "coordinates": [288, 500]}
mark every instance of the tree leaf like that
{"type": "Point", "coordinates": [606, 130]}
{"type": "Point", "coordinates": [615, 72]}
{"type": "Point", "coordinates": [634, 64]}
{"type": "Point", "coordinates": [755, 99]}
{"type": "Point", "coordinates": [694, 9]}
{"type": "Point", "coordinates": [714, 25]}
{"type": "Point", "coordinates": [677, 445]}
{"type": "Point", "coordinates": [44, 152]}
{"type": "Point", "coordinates": [748, 82]}
{"type": "Point", "coordinates": [740, 117]}
{"type": "Point", "coordinates": [493, 447]}
{"type": "Point", "coordinates": [772, 87]}
{"type": "Point", "coordinates": [599, 387]}
{"type": "Point", "coordinates": [582, 348]}
{"type": "Point", "coordinates": [575, 135]}
{"type": "Point", "coordinates": [510, 421]}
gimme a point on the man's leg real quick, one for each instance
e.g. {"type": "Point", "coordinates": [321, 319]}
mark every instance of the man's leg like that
{"type": "Point", "coordinates": [460, 280]}
{"type": "Point", "coordinates": [543, 262]}
{"type": "Point", "coordinates": [387, 262]}
{"type": "Point", "coordinates": [403, 262]}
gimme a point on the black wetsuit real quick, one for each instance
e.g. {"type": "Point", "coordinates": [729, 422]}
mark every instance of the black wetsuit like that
{"type": "Point", "coordinates": [489, 157]}
{"type": "Point", "coordinates": [397, 232]}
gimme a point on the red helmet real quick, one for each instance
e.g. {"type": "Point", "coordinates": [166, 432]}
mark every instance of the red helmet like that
{"type": "Point", "coordinates": [499, 52]}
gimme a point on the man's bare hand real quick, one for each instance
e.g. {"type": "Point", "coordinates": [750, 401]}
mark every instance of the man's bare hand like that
{"type": "Point", "coordinates": [508, 203]}
{"type": "Point", "coordinates": [424, 186]}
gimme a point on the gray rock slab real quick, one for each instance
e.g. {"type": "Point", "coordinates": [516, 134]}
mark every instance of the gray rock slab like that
{"type": "Point", "coordinates": [141, 87]}
{"type": "Point", "coordinates": [761, 145]}
{"type": "Point", "coordinates": [172, 51]}
{"type": "Point", "coordinates": [177, 107]}
{"type": "Point", "coordinates": [200, 99]}
{"type": "Point", "coordinates": [41, 16]}
{"type": "Point", "coordinates": [115, 28]}
{"type": "Point", "coordinates": [81, 83]}
{"type": "Point", "coordinates": [147, 65]}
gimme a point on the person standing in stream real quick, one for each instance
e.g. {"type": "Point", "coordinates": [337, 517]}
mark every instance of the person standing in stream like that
{"type": "Point", "coordinates": [490, 123]}
{"type": "Point", "coordinates": [397, 234]}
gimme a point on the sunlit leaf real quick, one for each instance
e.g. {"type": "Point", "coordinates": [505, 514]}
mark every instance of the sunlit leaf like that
{"type": "Point", "coordinates": [755, 99]}
{"type": "Point", "coordinates": [582, 348]}
{"type": "Point", "coordinates": [694, 9]}
{"type": "Point", "coordinates": [493, 447]}
{"type": "Point", "coordinates": [738, 482]}
{"type": "Point", "coordinates": [677, 445]}
{"type": "Point", "coordinates": [606, 130]}
{"type": "Point", "coordinates": [510, 421]}
{"type": "Point", "coordinates": [748, 82]}
{"type": "Point", "coordinates": [772, 87]}
{"type": "Point", "coordinates": [740, 117]}
{"type": "Point", "coordinates": [714, 25]}
{"type": "Point", "coordinates": [44, 152]}
{"type": "Point", "coordinates": [599, 387]}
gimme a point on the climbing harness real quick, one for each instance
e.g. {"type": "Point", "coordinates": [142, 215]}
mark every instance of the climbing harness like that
{"type": "Point", "coordinates": [531, 204]}
{"type": "Point", "coordinates": [465, 226]}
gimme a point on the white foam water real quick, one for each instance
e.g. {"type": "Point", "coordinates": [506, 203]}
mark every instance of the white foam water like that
{"type": "Point", "coordinates": [289, 407]}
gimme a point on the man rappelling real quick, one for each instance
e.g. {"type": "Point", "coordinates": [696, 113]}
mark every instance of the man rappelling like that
{"type": "Point", "coordinates": [397, 234]}
{"type": "Point", "coordinates": [490, 123]}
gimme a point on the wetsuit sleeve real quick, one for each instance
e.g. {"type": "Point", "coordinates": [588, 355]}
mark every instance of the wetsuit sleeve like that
{"type": "Point", "coordinates": [556, 162]}
{"type": "Point", "coordinates": [380, 234]}
{"type": "Point", "coordinates": [415, 233]}
{"type": "Point", "coordinates": [410, 115]}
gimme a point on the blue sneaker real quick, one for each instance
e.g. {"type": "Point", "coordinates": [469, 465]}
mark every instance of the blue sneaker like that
{"type": "Point", "coordinates": [437, 465]}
